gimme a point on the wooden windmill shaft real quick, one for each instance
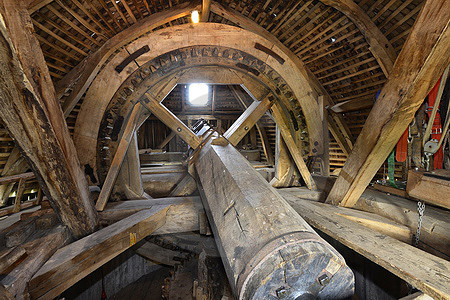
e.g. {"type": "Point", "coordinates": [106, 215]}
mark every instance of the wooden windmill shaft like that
{"type": "Point", "coordinates": [266, 247]}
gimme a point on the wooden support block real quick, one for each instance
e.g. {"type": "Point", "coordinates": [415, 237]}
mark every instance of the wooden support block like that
{"type": "Point", "coordinates": [258, 233]}
{"type": "Point", "coordinates": [433, 188]}
{"type": "Point", "coordinates": [422, 270]}
{"type": "Point", "coordinates": [171, 121]}
{"type": "Point", "coordinates": [73, 262]}
{"type": "Point", "coordinates": [390, 190]}
{"type": "Point", "coordinates": [247, 120]}
{"type": "Point", "coordinates": [293, 148]}
{"type": "Point", "coordinates": [160, 255]}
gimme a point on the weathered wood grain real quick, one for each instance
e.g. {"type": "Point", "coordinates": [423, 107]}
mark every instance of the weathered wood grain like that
{"type": "Point", "coordinates": [258, 234]}
{"type": "Point", "coordinates": [33, 116]}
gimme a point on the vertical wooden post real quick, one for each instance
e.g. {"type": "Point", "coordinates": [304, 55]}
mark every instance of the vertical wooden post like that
{"type": "Point", "coordinates": [19, 194]}
{"type": "Point", "coordinates": [130, 179]}
{"type": "Point", "coordinates": [284, 168]}
{"type": "Point", "coordinates": [325, 165]}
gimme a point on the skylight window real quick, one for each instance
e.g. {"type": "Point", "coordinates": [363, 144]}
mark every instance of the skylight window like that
{"type": "Point", "coordinates": [198, 94]}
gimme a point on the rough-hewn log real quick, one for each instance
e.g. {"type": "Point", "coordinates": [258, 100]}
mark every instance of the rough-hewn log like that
{"type": "Point", "coordinates": [416, 70]}
{"type": "Point", "coordinates": [73, 262]}
{"type": "Point", "coordinates": [266, 248]}
{"type": "Point", "coordinates": [34, 118]}
{"type": "Point", "coordinates": [380, 47]}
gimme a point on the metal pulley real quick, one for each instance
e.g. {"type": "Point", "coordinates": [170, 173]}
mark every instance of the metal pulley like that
{"type": "Point", "coordinates": [431, 147]}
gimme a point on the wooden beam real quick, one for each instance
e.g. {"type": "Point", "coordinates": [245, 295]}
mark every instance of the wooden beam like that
{"type": "Point", "coordinates": [39, 251]}
{"type": "Point", "coordinates": [15, 178]}
{"type": "Point", "coordinates": [284, 167]}
{"type": "Point", "coordinates": [40, 129]}
{"type": "Point", "coordinates": [370, 220]}
{"type": "Point", "coordinates": [129, 178]}
{"type": "Point", "coordinates": [19, 194]}
{"type": "Point", "coordinates": [80, 77]}
{"type": "Point", "coordinates": [181, 217]}
{"type": "Point", "coordinates": [75, 261]}
{"type": "Point", "coordinates": [247, 120]}
{"type": "Point", "coordinates": [433, 237]}
{"type": "Point", "coordinates": [415, 72]}
{"type": "Point", "coordinates": [252, 26]}
{"type": "Point", "coordinates": [351, 105]}
{"type": "Point", "coordinates": [244, 211]}
{"type": "Point", "coordinates": [166, 140]}
{"type": "Point", "coordinates": [285, 130]}
{"type": "Point", "coordinates": [171, 121]}
{"type": "Point", "coordinates": [206, 8]}
{"type": "Point", "coordinates": [119, 156]}
{"type": "Point", "coordinates": [379, 45]}
{"type": "Point", "coordinates": [433, 188]}
{"type": "Point", "coordinates": [422, 270]}
{"type": "Point", "coordinates": [267, 149]}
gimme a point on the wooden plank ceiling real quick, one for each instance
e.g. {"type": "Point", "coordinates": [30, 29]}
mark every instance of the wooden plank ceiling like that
{"type": "Point", "coordinates": [328, 42]}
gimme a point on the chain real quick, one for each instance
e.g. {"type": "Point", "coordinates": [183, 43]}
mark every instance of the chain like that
{"type": "Point", "coordinates": [421, 211]}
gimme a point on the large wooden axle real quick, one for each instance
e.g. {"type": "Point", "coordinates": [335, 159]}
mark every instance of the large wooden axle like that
{"type": "Point", "coordinates": [268, 250]}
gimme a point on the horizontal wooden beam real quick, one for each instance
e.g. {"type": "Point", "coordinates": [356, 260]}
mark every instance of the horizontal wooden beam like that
{"type": "Point", "coordinates": [15, 178]}
{"type": "Point", "coordinates": [433, 188]}
{"type": "Point", "coordinates": [181, 217]}
{"type": "Point", "coordinates": [73, 262]}
{"type": "Point", "coordinates": [422, 270]}
{"type": "Point", "coordinates": [416, 71]}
